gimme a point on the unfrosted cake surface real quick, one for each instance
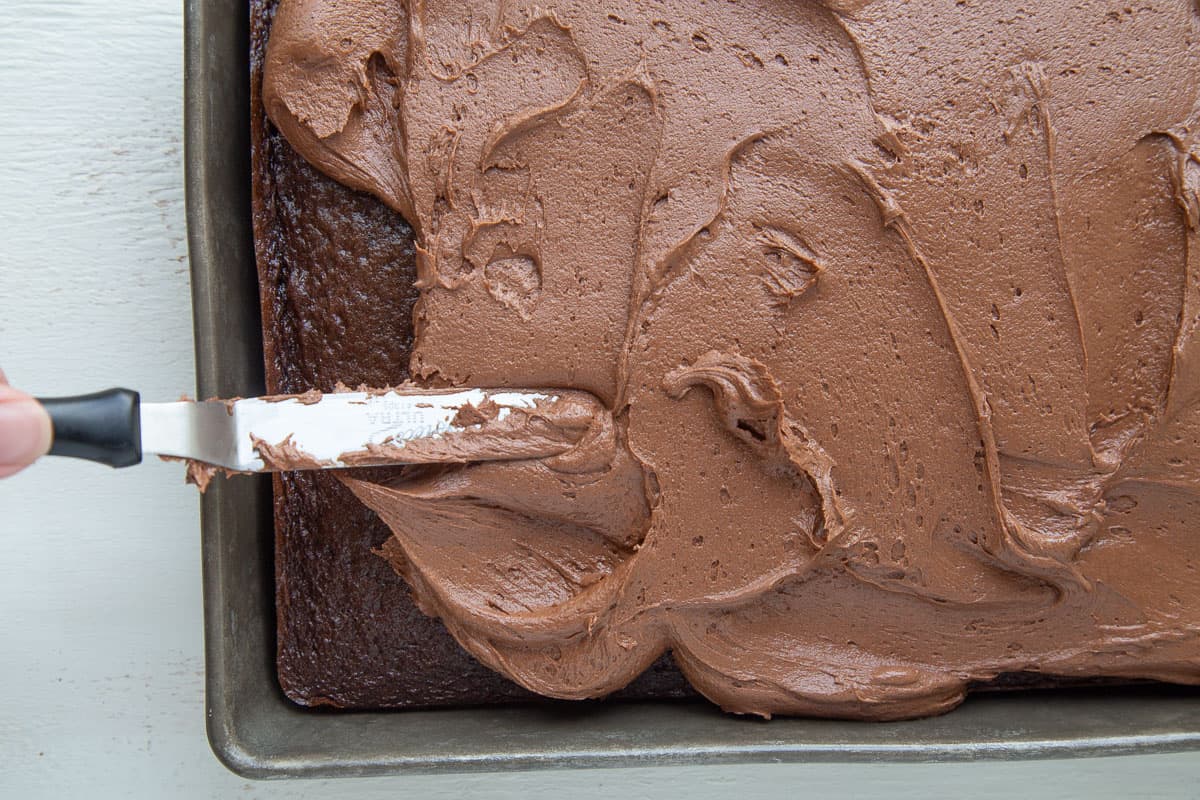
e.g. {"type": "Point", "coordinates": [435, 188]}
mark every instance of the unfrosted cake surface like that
{"type": "Point", "coordinates": [891, 308]}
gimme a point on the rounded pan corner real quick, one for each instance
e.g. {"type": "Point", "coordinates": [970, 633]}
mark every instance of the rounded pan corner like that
{"type": "Point", "coordinates": [235, 751]}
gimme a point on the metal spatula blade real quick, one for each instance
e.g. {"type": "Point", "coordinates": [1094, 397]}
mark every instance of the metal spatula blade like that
{"type": "Point", "coordinates": [315, 431]}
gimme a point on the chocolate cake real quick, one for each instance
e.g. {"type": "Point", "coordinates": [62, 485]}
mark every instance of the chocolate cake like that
{"type": "Point", "coordinates": [337, 273]}
{"type": "Point", "coordinates": [889, 310]}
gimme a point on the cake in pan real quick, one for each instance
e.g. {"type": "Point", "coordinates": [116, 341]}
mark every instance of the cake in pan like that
{"type": "Point", "coordinates": [891, 308]}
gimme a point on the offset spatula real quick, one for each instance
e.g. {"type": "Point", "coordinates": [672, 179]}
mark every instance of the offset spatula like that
{"type": "Point", "coordinates": [317, 431]}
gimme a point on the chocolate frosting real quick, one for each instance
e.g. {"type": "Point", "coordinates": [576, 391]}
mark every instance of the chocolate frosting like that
{"type": "Point", "coordinates": [553, 426]}
{"type": "Point", "coordinates": [891, 308]}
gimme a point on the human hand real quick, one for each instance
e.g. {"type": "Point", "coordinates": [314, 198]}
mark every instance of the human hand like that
{"type": "Point", "coordinates": [25, 431]}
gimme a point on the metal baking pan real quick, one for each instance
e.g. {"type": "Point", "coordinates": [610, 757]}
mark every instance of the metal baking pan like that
{"type": "Point", "coordinates": [258, 733]}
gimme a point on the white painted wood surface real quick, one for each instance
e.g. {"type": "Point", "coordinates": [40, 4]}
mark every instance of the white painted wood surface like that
{"type": "Point", "coordinates": [101, 668]}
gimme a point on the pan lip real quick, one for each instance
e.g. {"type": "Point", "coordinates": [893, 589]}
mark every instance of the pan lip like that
{"type": "Point", "coordinates": [257, 733]}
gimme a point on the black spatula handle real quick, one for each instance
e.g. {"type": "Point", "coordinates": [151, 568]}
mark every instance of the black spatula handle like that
{"type": "Point", "coordinates": [104, 427]}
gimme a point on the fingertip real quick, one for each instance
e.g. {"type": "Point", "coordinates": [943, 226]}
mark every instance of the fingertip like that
{"type": "Point", "coordinates": [8, 471]}
{"type": "Point", "coordinates": [26, 433]}
{"type": "Point", "coordinates": [45, 427]}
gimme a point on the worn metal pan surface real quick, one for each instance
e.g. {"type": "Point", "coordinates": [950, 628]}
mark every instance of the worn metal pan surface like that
{"type": "Point", "coordinates": [257, 732]}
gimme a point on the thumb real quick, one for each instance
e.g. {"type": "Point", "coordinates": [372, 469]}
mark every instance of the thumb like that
{"type": "Point", "coordinates": [25, 430]}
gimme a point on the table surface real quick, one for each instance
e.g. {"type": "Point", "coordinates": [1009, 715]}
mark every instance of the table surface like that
{"type": "Point", "coordinates": [101, 663]}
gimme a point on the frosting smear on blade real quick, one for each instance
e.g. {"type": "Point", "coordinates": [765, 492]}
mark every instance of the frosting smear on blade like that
{"type": "Point", "coordinates": [890, 309]}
